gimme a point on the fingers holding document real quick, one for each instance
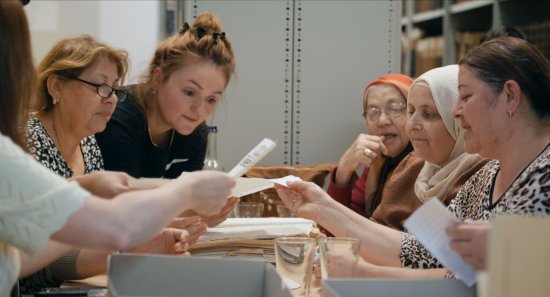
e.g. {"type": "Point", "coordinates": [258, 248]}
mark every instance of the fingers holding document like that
{"type": "Point", "coordinates": [208, 191]}
{"type": "Point", "coordinates": [302, 198]}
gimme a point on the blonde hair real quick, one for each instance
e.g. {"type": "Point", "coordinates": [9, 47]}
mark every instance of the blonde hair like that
{"type": "Point", "coordinates": [186, 47]}
{"type": "Point", "coordinates": [71, 56]}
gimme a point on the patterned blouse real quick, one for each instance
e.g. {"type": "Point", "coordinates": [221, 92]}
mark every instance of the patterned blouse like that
{"type": "Point", "coordinates": [42, 147]}
{"type": "Point", "coordinates": [528, 194]}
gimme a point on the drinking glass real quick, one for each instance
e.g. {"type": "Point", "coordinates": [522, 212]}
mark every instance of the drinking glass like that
{"type": "Point", "coordinates": [283, 211]}
{"type": "Point", "coordinates": [345, 247]}
{"type": "Point", "coordinates": [294, 261]}
{"type": "Point", "coordinates": [249, 210]}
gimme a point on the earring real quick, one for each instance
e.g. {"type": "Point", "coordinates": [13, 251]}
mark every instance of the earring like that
{"type": "Point", "coordinates": [54, 101]}
{"type": "Point", "coordinates": [509, 113]}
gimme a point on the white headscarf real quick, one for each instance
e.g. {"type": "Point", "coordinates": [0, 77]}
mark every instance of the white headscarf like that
{"type": "Point", "coordinates": [434, 180]}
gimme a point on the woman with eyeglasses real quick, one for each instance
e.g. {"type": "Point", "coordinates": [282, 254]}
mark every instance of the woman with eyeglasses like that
{"type": "Point", "coordinates": [42, 214]}
{"type": "Point", "coordinates": [437, 138]}
{"type": "Point", "coordinates": [385, 190]}
{"type": "Point", "coordinates": [78, 88]}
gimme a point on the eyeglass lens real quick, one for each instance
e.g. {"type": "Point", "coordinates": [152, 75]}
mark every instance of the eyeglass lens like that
{"type": "Point", "coordinates": [394, 110]}
{"type": "Point", "coordinates": [105, 91]}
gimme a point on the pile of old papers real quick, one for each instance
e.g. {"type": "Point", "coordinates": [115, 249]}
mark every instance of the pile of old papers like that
{"type": "Point", "coordinates": [250, 237]}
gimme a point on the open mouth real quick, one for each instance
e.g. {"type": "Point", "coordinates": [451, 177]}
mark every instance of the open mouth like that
{"type": "Point", "coordinates": [388, 136]}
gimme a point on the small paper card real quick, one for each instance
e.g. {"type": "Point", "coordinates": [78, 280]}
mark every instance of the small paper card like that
{"type": "Point", "coordinates": [428, 223]}
{"type": "Point", "coordinates": [248, 185]}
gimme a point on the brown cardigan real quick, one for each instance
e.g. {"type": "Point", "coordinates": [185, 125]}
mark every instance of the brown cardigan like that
{"type": "Point", "coordinates": [399, 200]}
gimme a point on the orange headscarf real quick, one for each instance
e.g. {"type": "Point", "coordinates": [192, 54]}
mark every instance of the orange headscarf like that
{"type": "Point", "coordinates": [400, 81]}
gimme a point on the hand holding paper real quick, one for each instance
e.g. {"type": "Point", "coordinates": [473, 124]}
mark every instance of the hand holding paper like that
{"type": "Point", "coordinates": [428, 223]}
{"type": "Point", "coordinates": [303, 198]}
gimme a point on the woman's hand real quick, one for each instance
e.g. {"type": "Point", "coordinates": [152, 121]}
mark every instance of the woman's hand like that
{"type": "Point", "coordinates": [106, 184]}
{"type": "Point", "coordinates": [340, 265]}
{"type": "Point", "coordinates": [193, 225]}
{"type": "Point", "coordinates": [365, 150]}
{"type": "Point", "coordinates": [168, 241]}
{"type": "Point", "coordinates": [469, 240]}
{"type": "Point", "coordinates": [207, 191]}
{"type": "Point", "coordinates": [216, 219]}
{"type": "Point", "coordinates": [304, 199]}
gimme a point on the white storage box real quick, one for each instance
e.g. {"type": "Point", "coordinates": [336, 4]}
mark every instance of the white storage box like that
{"type": "Point", "coordinates": [396, 288]}
{"type": "Point", "coordinates": [132, 275]}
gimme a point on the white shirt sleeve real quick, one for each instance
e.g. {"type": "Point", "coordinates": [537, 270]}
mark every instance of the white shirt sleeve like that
{"type": "Point", "coordinates": [34, 201]}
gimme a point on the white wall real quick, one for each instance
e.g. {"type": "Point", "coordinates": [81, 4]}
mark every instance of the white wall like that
{"type": "Point", "coordinates": [132, 25]}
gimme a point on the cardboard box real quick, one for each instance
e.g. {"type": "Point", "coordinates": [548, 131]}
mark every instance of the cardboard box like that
{"type": "Point", "coordinates": [132, 275]}
{"type": "Point", "coordinates": [396, 288]}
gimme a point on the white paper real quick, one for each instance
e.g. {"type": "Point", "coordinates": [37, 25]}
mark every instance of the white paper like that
{"type": "Point", "coordinates": [283, 180]}
{"type": "Point", "coordinates": [254, 156]}
{"type": "Point", "coordinates": [254, 228]}
{"type": "Point", "coordinates": [248, 185]}
{"type": "Point", "coordinates": [428, 223]}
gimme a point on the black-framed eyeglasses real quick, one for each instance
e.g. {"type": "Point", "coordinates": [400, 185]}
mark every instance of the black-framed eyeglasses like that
{"type": "Point", "coordinates": [394, 110]}
{"type": "Point", "coordinates": [104, 91]}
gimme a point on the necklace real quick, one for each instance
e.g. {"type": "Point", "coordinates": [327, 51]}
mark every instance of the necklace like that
{"type": "Point", "coordinates": [72, 168]}
{"type": "Point", "coordinates": [55, 134]}
{"type": "Point", "coordinates": [155, 144]}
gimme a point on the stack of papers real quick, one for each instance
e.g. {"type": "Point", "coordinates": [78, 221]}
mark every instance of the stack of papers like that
{"type": "Point", "coordinates": [249, 237]}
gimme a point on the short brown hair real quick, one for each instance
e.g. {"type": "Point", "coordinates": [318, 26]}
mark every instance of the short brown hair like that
{"type": "Point", "coordinates": [508, 58]}
{"type": "Point", "coordinates": [186, 47]}
{"type": "Point", "coordinates": [71, 56]}
{"type": "Point", "coordinates": [17, 73]}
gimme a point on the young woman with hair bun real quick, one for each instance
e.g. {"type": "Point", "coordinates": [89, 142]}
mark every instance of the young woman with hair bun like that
{"type": "Point", "coordinates": [160, 129]}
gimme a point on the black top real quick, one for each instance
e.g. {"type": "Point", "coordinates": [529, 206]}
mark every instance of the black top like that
{"type": "Point", "coordinates": [126, 145]}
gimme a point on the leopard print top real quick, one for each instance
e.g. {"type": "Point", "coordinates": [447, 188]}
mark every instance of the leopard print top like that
{"type": "Point", "coordinates": [528, 194]}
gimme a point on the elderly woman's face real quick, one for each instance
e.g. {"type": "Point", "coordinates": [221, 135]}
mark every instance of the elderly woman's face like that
{"type": "Point", "coordinates": [385, 116]}
{"type": "Point", "coordinates": [478, 111]}
{"type": "Point", "coordinates": [429, 136]}
{"type": "Point", "coordinates": [79, 102]}
{"type": "Point", "coordinates": [190, 95]}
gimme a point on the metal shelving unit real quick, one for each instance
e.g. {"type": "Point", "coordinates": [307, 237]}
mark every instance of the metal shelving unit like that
{"type": "Point", "coordinates": [465, 16]}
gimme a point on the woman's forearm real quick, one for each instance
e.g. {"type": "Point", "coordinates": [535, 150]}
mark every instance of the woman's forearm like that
{"type": "Point", "coordinates": [124, 222]}
{"type": "Point", "coordinates": [379, 244]}
{"type": "Point", "coordinates": [91, 263]}
{"type": "Point", "coordinates": [51, 252]}
{"type": "Point", "coordinates": [374, 271]}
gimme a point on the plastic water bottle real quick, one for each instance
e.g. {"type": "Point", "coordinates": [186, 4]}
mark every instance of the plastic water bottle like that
{"type": "Point", "coordinates": [211, 160]}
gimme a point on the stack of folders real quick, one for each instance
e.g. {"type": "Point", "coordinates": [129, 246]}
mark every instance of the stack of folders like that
{"type": "Point", "coordinates": [250, 238]}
